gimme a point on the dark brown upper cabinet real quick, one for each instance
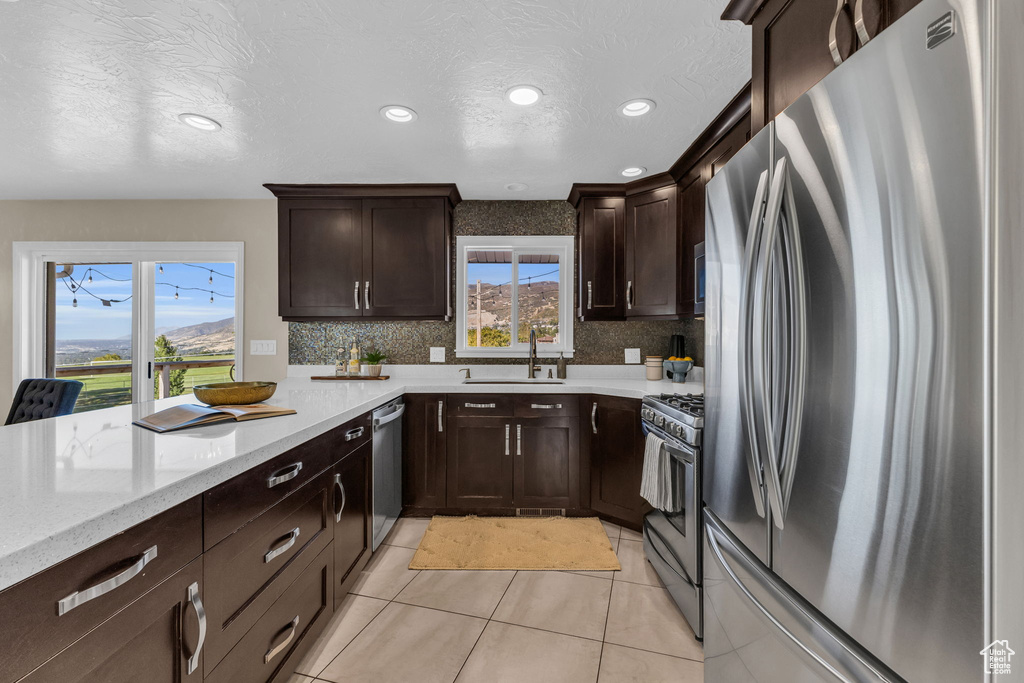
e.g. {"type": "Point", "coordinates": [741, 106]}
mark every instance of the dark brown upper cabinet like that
{"type": "Point", "coordinates": [795, 46]}
{"type": "Point", "coordinates": [653, 254]}
{"type": "Point", "coordinates": [601, 224]}
{"type": "Point", "coordinates": [368, 252]}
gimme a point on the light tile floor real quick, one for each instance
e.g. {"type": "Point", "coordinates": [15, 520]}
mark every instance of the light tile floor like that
{"type": "Point", "coordinates": [405, 625]}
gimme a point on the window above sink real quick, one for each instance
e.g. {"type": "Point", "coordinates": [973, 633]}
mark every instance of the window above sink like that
{"type": "Point", "coordinates": [507, 286]}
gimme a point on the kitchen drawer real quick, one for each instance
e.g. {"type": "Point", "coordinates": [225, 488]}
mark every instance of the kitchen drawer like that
{"type": "Point", "coordinates": [547, 405]}
{"type": "Point", "coordinates": [289, 626]}
{"type": "Point", "coordinates": [480, 405]}
{"type": "Point", "coordinates": [232, 504]}
{"type": "Point", "coordinates": [154, 639]}
{"type": "Point", "coordinates": [247, 571]}
{"type": "Point", "coordinates": [32, 628]}
{"type": "Point", "coordinates": [354, 434]}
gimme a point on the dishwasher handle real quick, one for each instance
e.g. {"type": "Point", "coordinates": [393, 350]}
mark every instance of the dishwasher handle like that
{"type": "Point", "coordinates": [379, 422]}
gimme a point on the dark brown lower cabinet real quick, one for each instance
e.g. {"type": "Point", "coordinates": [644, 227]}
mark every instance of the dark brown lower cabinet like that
{"type": "Point", "coordinates": [616, 458]}
{"type": "Point", "coordinates": [480, 462]}
{"type": "Point", "coordinates": [425, 456]}
{"type": "Point", "coordinates": [352, 518]}
{"type": "Point", "coordinates": [546, 463]}
{"type": "Point", "coordinates": [285, 631]}
{"type": "Point", "coordinates": [150, 640]}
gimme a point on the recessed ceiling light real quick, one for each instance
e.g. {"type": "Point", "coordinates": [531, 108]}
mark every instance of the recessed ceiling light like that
{"type": "Point", "coordinates": [636, 107]}
{"type": "Point", "coordinates": [199, 122]}
{"type": "Point", "coordinates": [524, 95]}
{"type": "Point", "coordinates": [516, 187]}
{"type": "Point", "coordinates": [633, 171]}
{"type": "Point", "coordinates": [398, 113]}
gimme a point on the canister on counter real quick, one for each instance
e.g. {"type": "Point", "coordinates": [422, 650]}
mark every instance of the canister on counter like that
{"type": "Point", "coordinates": [654, 368]}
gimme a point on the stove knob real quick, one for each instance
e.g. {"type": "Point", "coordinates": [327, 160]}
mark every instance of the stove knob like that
{"type": "Point", "coordinates": [677, 429]}
{"type": "Point", "coordinates": [659, 420]}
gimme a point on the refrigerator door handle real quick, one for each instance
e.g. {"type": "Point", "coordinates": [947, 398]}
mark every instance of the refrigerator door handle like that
{"type": "Point", "coordinates": [769, 414]}
{"type": "Point", "coordinates": [806, 632]}
{"type": "Point", "coordinates": [754, 464]}
{"type": "Point", "coordinates": [797, 351]}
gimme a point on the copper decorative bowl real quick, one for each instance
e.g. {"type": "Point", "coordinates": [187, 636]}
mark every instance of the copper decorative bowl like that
{"type": "Point", "coordinates": [234, 393]}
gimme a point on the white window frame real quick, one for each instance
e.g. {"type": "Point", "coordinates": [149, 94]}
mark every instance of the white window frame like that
{"type": "Point", "coordinates": [29, 292]}
{"type": "Point", "coordinates": [564, 246]}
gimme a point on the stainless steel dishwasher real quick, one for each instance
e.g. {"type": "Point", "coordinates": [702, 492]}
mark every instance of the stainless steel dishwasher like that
{"type": "Point", "coordinates": [387, 468]}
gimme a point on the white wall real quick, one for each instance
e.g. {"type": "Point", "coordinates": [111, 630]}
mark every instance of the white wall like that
{"type": "Point", "coordinates": [253, 221]}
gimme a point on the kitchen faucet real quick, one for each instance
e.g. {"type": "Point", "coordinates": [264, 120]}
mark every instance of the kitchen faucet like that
{"type": "Point", "coordinates": [532, 368]}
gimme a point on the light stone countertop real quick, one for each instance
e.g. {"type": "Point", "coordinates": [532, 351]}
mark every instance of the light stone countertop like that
{"type": "Point", "coordinates": [74, 481]}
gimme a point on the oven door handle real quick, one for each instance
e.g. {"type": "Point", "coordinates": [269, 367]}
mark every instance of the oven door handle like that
{"type": "Point", "coordinates": [682, 450]}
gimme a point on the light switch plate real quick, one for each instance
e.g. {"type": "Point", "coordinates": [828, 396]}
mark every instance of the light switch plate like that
{"type": "Point", "coordinates": [436, 354]}
{"type": "Point", "coordinates": [262, 347]}
{"type": "Point", "coordinates": [633, 356]}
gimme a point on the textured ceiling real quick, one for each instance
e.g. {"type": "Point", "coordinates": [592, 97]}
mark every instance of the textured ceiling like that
{"type": "Point", "coordinates": [90, 91]}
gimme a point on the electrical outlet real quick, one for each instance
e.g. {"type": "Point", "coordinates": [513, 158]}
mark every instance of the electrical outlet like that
{"type": "Point", "coordinates": [436, 354]}
{"type": "Point", "coordinates": [262, 347]}
{"type": "Point", "coordinates": [633, 356]}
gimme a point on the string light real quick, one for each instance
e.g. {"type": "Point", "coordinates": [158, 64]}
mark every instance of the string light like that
{"type": "Point", "coordinates": [161, 269]}
{"type": "Point", "coordinates": [175, 292]}
{"type": "Point", "coordinates": [74, 303]}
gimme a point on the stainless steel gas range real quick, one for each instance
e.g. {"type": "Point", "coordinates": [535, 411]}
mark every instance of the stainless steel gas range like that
{"type": "Point", "coordinates": [672, 537]}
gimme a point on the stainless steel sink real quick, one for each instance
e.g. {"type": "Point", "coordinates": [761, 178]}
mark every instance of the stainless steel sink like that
{"type": "Point", "coordinates": [513, 381]}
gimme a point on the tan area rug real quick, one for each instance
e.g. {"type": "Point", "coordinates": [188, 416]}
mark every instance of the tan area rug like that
{"type": "Point", "coordinates": [523, 543]}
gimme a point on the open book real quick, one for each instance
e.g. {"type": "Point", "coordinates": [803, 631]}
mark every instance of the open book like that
{"type": "Point", "coordinates": [191, 415]}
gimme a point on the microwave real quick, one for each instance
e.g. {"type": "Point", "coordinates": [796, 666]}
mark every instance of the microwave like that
{"type": "Point", "coordinates": [698, 279]}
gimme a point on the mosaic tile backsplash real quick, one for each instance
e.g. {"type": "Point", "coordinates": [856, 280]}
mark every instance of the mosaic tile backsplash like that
{"type": "Point", "coordinates": [408, 343]}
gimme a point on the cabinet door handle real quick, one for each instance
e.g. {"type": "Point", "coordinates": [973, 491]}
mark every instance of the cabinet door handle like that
{"type": "Point", "coordinates": [78, 598]}
{"type": "Point", "coordinates": [593, 417]}
{"type": "Point", "coordinates": [590, 295]}
{"type": "Point", "coordinates": [629, 294]}
{"type": "Point", "coordinates": [357, 295]}
{"type": "Point", "coordinates": [519, 439]}
{"type": "Point", "coordinates": [366, 294]}
{"type": "Point", "coordinates": [858, 23]}
{"type": "Point", "coordinates": [508, 437]}
{"type": "Point", "coordinates": [281, 476]}
{"type": "Point", "coordinates": [481, 405]}
{"type": "Point", "coordinates": [354, 433]}
{"type": "Point", "coordinates": [546, 406]}
{"type": "Point", "coordinates": [341, 489]}
{"type": "Point", "coordinates": [197, 605]}
{"type": "Point", "coordinates": [279, 648]}
{"type": "Point", "coordinates": [440, 416]}
{"type": "Point", "coordinates": [833, 37]}
{"type": "Point", "coordinates": [274, 553]}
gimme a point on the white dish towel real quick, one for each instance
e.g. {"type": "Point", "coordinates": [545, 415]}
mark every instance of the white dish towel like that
{"type": "Point", "coordinates": [655, 485]}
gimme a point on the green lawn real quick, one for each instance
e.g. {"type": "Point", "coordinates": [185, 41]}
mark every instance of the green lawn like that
{"type": "Point", "coordinates": [104, 391]}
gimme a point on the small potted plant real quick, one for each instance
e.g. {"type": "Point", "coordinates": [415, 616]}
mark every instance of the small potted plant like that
{"type": "Point", "coordinates": [373, 360]}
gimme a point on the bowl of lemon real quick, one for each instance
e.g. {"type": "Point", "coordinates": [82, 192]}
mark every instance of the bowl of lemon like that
{"type": "Point", "coordinates": [676, 368]}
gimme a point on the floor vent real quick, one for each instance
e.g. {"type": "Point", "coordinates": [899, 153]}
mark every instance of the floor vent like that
{"type": "Point", "coordinates": [540, 512]}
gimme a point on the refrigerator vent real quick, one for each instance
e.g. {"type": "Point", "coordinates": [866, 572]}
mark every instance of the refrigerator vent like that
{"type": "Point", "coordinates": [941, 30]}
{"type": "Point", "coordinates": [540, 512]}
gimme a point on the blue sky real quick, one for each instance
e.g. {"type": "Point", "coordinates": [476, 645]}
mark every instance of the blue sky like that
{"type": "Point", "coordinates": [501, 273]}
{"type": "Point", "coordinates": [92, 320]}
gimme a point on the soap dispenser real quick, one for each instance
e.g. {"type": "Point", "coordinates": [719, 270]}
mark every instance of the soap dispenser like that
{"type": "Point", "coordinates": [562, 366]}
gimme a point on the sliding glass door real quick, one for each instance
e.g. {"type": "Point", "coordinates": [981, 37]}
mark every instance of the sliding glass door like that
{"type": "Point", "coordinates": [131, 321]}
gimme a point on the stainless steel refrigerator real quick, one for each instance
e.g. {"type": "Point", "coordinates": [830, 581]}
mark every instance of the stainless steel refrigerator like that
{"type": "Point", "coordinates": [861, 311]}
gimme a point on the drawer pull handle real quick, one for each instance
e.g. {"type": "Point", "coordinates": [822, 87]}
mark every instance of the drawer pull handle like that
{"type": "Point", "coordinates": [357, 295]}
{"type": "Point", "coordinates": [341, 489]}
{"type": "Point", "coordinates": [593, 417]}
{"type": "Point", "coordinates": [279, 648]}
{"type": "Point", "coordinates": [440, 416]}
{"type": "Point", "coordinates": [197, 605]}
{"type": "Point", "coordinates": [507, 438]}
{"type": "Point", "coordinates": [281, 476]}
{"type": "Point", "coordinates": [274, 553]}
{"type": "Point", "coordinates": [481, 405]}
{"type": "Point", "coordinates": [546, 406]}
{"type": "Point", "coordinates": [519, 439]}
{"type": "Point", "coordinates": [354, 433]}
{"type": "Point", "coordinates": [81, 597]}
